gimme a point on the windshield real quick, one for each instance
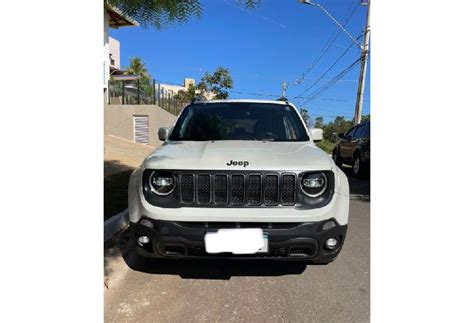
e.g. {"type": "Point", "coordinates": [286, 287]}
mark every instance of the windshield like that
{"type": "Point", "coordinates": [239, 121]}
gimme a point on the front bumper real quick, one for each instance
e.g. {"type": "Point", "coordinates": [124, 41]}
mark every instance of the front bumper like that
{"type": "Point", "coordinates": [286, 241]}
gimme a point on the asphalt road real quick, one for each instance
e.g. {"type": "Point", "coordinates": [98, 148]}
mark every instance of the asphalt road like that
{"type": "Point", "coordinates": [192, 291]}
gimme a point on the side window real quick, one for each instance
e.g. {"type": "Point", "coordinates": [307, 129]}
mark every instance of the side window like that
{"type": "Point", "coordinates": [360, 131]}
{"type": "Point", "coordinates": [351, 132]}
{"type": "Point", "coordinates": [366, 131]}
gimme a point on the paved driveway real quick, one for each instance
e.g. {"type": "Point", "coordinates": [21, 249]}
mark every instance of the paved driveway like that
{"type": "Point", "coordinates": [192, 291]}
{"type": "Point", "coordinates": [122, 155]}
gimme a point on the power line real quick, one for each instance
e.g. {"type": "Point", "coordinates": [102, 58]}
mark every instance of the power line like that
{"type": "Point", "coordinates": [167, 83]}
{"type": "Point", "coordinates": [331, 116]}
{"type": "Point", "coordinates": [346, 18]}
{"type": "Point", "coordinates": [328, 70]}
{"type": "Point", "coordinates": [265, 94]}
{"type": "Point", "coordinates": [329, 99]}
{"type": "Point", "coordinates": [295, 97]}
{"type": "Point", "coordinates": [326, 109]}
{"type": "Point", "coordinates": [255, 93]}
{"type": "Point", "coordinates": [329, 43]}
{"type": "Point", "coordinates": [331, 83]}
{"type": "Point", "coordinates": [277, 95]}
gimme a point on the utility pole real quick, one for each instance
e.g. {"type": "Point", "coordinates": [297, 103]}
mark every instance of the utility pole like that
{"type": "Point", "coordinates": [284, 86]}
{"type": "Point", "coordinates": [363, 68]}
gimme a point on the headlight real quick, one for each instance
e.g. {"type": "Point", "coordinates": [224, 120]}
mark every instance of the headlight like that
{"type": "Point", "coordinates": [314, 184]}
{"type": "Point", "coordinates": [162, 183]}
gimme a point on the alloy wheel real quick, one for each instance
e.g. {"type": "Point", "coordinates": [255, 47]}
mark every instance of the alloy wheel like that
{"type": "Point", "coordinates": [356, 166]}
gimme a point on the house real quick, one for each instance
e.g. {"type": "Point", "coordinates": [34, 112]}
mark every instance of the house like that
{"type": "Point", "coordinates": [113, 18]}
{"type": "Point", "coordinates": [170, 90]}
{"type": "Point", "coordinates": [114, 56]}
{"type": "Point", "coordinates": [130, 121]}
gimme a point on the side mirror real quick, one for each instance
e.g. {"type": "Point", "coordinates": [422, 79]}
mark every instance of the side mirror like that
{"type": "Point", "coordinates": [317, 134]}
{"type": "Point", "coordinates": [341, 135]}
{"type": "Point", "coordinates": [163, 133]}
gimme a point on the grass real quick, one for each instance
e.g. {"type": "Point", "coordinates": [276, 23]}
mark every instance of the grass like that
{"type": "Point", "coordinates": [326, 145]}
{"type": "Point", "coordinates": [116, 193]}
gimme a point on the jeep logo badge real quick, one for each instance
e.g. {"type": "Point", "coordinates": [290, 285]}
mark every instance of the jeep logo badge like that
{"type": "Point", "coordinates": [238, 163]}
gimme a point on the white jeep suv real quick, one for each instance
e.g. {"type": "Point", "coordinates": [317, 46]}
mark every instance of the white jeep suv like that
{"type": "Point", "coordinates": [239, 179]}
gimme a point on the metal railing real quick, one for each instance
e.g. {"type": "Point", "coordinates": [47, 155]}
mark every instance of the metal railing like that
{"type": "Point", "coordinates": [124, 92]}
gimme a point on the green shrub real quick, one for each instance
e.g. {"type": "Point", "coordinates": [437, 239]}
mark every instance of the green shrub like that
{"type": "Point", "coordinates": [326, 145]}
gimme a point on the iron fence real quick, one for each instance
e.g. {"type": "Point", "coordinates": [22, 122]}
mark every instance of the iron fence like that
{"type": "Point", "coordinates": [142, 92]}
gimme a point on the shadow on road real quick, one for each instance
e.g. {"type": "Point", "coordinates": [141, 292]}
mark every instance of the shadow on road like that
{"type": "Point", "coordinates": [205, 269]}
{"type": "Point", "coordinates": [115, 166]}
{"type": "Point", "coordinates": [115, 188]}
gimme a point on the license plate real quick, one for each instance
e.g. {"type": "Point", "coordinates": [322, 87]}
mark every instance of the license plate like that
{"type": "Point", "coordinates": [236, 241]}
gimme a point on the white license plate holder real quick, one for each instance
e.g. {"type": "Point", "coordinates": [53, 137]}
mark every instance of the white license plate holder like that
{"type": "Point", "coordinates": [237, 241]}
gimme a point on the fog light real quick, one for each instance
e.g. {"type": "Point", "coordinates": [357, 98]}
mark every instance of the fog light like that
{"type": "Point", "coordinates": [331, 243]}
{"type": "Point", "coordinates": [143, 240]}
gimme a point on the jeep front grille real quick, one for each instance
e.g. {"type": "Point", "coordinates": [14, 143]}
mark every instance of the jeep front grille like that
{"type": "Point", "coordinates": [204, 189]}
{"type": "Point", "coordinates": [237, 189]}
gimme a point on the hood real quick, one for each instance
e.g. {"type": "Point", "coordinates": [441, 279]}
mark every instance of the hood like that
{"type": "Point", "coordinates": [239, 155]}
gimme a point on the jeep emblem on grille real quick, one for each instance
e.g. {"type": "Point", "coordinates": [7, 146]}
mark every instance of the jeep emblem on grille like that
{"type": "Point", "coordinates": [238, 163]}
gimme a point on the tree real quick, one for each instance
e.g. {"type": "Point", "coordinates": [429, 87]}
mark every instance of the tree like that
{"type": "Point", "coordinates": [184, 97]}
{"type": "Point", "coordinates": [365, 118]}
{"type": "Point", "coordinates": [333, 128]}
{"type": "Point", "coordinates": [319, 122]}
{"type": "Point", "coordinates": [136, 67]}
{"type": "Point", "coordinates": [216, 83]}
{"type": "Point", "coordinates": [306, 117]}
{"type": "Point", "coordinates": [162, 13]}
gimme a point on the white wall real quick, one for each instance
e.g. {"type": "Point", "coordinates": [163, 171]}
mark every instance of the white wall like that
{"type": "Point", "coordinates": [106, 70]}
{"type": "Point", "coordinates": [165, 89]}
{"type": "Point", "coordinates": [169, 89]}
{"type": "Point", "coordinates": [119, 120]}
{"type": "Point", "coordinates": [114, 49]}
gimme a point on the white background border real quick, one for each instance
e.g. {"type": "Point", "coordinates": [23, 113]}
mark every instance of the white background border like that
{"type": "Point", "coordinates": [422, 183]}
{"type": "Point", "coordinates": [52, 161]}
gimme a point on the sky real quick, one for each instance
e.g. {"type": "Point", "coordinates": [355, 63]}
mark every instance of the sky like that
{"type": "Point", "coordinates": [279, 40]}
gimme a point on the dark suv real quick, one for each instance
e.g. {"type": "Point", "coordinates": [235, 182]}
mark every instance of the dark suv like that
{"type": "Point", "coordinates": [353, 148]}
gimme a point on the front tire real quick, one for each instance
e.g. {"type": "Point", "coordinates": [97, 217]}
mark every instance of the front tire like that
{"type": "Point", "coordinates": [358, 167]}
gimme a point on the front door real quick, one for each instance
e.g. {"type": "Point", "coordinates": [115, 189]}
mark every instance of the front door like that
{"type": "Point", "coordinates": [346, 144]}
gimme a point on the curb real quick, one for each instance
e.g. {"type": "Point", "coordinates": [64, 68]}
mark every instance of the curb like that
{"type": "Point", "coordinates": [115, 224]}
